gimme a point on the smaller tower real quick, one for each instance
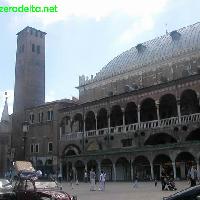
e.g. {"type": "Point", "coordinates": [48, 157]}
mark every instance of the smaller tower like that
{"type": "Point", "coordinates": [5, 116]}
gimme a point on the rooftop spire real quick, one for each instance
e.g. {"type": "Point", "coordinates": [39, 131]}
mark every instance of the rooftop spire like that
{"type": "Point", "coordinates": [5, 115]}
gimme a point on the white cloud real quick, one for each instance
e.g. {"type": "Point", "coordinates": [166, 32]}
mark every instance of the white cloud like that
{"type": "Point", "coordinates": [146, 12]}
{"type": "Point", "coordinates": [10, 95]}
{"type": "Point", "coordinates": [96, 9]}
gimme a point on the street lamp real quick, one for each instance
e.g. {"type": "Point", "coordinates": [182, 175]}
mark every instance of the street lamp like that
{"type": "Point", "coordinates": [25, 128]}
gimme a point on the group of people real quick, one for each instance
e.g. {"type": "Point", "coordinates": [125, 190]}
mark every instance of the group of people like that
{"type": "Point", "coordinates": [92, 179]}
{"type": "Point", "coordinates": [193, 176]}
{"type": "Point", "coordinates": [102, 179]}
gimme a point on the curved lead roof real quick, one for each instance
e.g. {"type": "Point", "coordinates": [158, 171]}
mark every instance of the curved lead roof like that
{"type": "Point", "coordinates": [155, 50]}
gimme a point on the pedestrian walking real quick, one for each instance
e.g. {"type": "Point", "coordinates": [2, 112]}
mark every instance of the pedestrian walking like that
{"type": "Point", "coordinates": [71, 178]}
{"type": "Point", "coordinates": [60, 177]}
{"type": "Point", "coordinates": [102, 179]}
{"type": "Point", "coordinates": [193, 176]}
{"type": "Point", "coordinates": [163, 178]}
{"type": "Point", "coordinates": [85, 176]}
{"type": "Point", "coordinates": [155, 182]}
{"type": "Point", "coordinates": [92, 180]}
{"type": "Point", "coordinates": [135, 183]}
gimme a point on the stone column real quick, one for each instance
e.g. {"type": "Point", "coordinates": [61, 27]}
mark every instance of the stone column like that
{"type": "Point", "coordinates": [123, 115]}
{"type": "Point", "coordinates": [158, 111]}
{"type": "Point", "coordinates": [99, 169]}
{"type": "Point", "coordinates": [174, 169]}
{"type": "Point", "coordinates": [152, 172]}
{"type": "Point", "coordinates": [138, 112]}
{"type": "Point", "coordinates": [61, 172]}
{"type": "Point", "coordinates": [96, 122]}
{"type": "Point", "coordinates": [109, 123]}
{"type": "Point", "coordinates": [179, 110]}
{"type": "Point", "coordinates": [198, 168]}
{"type": "Point", "coordinates": [60, 132]}
{"type": "Point", "coordinates": [114, 173]}
{"type": "Point", "coordinates": [131, 163]}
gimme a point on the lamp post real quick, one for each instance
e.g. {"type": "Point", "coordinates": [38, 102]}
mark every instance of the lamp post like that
{"type": "Point", "coordinates": [25, 128]}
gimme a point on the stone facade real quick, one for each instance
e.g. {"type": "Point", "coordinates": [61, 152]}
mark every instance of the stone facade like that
{"type": "Point", "coordinates": [140, 113]}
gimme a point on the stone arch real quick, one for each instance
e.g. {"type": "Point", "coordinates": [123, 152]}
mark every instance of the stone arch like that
{"type": "Point", "coordinates": [80, 169]}
{"type": "Point", "coordinates": [77, 123]}
{"type": "Point", "coordinates": [71, 150]}
{"type": "Point", "coordinates": [107, 167]}
{"type": "Point", "coordinates": [189, 102]}
{"type": "Point", "coordinates": [90, 121]}
{"type": "Point", "coordinates": [193, 135]}
{"type": "Point", "coordinates": [162, 161]}
{"type": "Point", "coordinates": [184, 160]}
{"type": "Point", "coordinates": [148, 110]}
{"type": "Point", "coordinates": [102, 118]}
{"type": "Point", "coordinates": [123, 169]}
{"type": "Point", "coordinates": [160, 138]}
{"type": "Point", "coordinates": [168, 106]}
{"type": "Point", "coordinates": [142, 168]}
{"type": "Point", "coordinates": [116, 116]}
{"type": "Point", "coordinates": [65, 125]}
{"type": "Point", "coordinates": [131, 113]}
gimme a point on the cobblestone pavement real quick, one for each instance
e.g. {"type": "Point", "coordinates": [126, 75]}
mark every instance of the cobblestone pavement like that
{"type": "Point", "coordinates": [121, 191]}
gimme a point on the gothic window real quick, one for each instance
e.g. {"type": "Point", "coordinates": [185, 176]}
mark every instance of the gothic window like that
{"type": "Point", "coordinates": [33, 47]}
{"type": "Point", "coordinates": [50, 146]}
{"type": "Point", "coordinates": [32, 148]}
{"type": "Point", "coordinates": [38, 49]}
{"type": "Point", "coordinates": [36, 148]}
{"type": "Point", "coordinates": [31, 118]}
{"type": "Point", "coordinates": [50, 115]}
{"type": "Point", "coordinates": [40, 117]}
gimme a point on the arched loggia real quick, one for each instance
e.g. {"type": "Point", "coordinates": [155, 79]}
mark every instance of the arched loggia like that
{"type": "Point", "coordinates": [116, 117]}
{"type": "Point", "coordinates": [184, 161]}
{"type": "Point", "coordinates": [189, 102]}
{"type": "Point", "coordinates": [77, 123]}
{"type": "Point", "coordinates": [168, 106]}
{"type": "Point", "coordinates": [102, 119]}
{"type": "Point", "coordinates": [90, 121]}
{"type": "Point", "coordinates": [148, 110]}
{"type": "Point", "coordinates": [131, 113]}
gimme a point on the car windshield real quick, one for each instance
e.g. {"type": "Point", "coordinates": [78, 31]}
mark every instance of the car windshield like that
{"type": "Point", "coordinates": [4, 182]}
{"type": "Point", "coordinates": [46, 184]}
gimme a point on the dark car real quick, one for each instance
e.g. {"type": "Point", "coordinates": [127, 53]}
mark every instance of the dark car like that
{"type": "Point", "coordinates": [6, 190]}
{"type": "Point", "coordinates": [28, 189]}
{"type": "Point", "coordinates": [192, 193]}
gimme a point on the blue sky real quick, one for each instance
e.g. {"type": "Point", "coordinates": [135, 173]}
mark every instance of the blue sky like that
{"type": "Point", "coordinates": [85, 35]}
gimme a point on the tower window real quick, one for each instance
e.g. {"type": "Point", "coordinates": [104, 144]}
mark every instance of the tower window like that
{"type": "Point", "coordinates": [50, 115]}
{"type": "Point", "coordinates": [32, 148]}
{"type": "Point", "coordinates": [50, 147]}
{"type": "Point", "coordinates": [33, 47]}
{"type": "Point", "coordinates": [23, 48]}
{"type": "Point", "coordinates": [36, 148]}
{"type": "Point", "coordinates": [31, 118]}
{"type": "Point", "coordinates": [38, 49]}
{"type": "Point", "coordinates": [40, 117]}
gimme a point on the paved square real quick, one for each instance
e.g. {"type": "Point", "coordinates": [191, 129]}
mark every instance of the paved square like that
{"type": "Point", "coordinates": [122, 191]}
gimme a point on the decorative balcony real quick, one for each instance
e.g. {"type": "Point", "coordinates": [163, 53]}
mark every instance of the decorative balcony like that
{"type": "Point", "coordinates": [163, 123]}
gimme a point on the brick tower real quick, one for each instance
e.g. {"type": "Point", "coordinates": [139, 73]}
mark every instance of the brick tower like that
{"type": "Point", "coordinates": [29, 80]}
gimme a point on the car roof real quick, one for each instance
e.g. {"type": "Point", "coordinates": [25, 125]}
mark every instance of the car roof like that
{"type": "Point", "coordinates": [186, 191]}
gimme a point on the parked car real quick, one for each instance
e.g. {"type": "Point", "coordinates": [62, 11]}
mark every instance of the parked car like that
{"type": "Point", "coordinates": [29, 189]}
{"type": "Point", "coordinates": [192, 193]}
{"type": "Point", "coordinates": [6, 190]}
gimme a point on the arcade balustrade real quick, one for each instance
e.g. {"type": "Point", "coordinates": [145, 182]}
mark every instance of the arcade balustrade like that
{"type": "Point", "coordinates": [163, 123]}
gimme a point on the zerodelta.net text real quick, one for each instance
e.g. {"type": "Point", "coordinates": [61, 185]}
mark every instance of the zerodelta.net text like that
{"type": "Point", "coordinates": [29, 9]}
